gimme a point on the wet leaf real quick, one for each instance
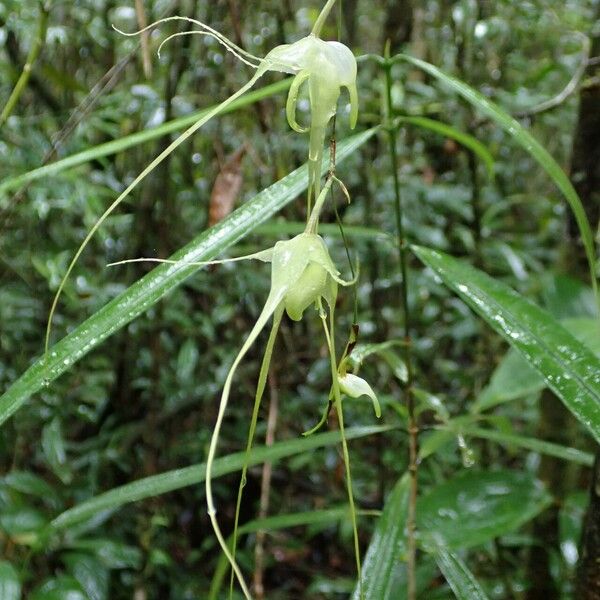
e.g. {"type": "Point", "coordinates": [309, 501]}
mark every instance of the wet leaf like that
{"type": "Point", "coordinates": [387, 546]}
{"type": "Point", "coordinates": [110, 553]}
{"type": "Point", "coordinates": [469, 509]}
{"type": "Point", "coordinates": [156, 284]}
{"type": "Point", "coordinates": [180, 478]}
{"type": "Point", "coordinates": [533, 444]}
{"type": "Point", "coordinates": [90, 573]}
{"type": "Point", "coordinates": [569, 368]}
{"type": "Point", "coordinates": [29, 483]}
{"type": "Point", "coordinates": [63, 587]}
{"type": "Point", "coordinates": [461, 580]}
{"type": "Point", "coordinates": [22, 523]}
{"type": "Point", "coordinates": [476, 506]}
{"type": "Point", "coordinates": [53, 446]}
{"type": "Point", "coordinates": [187, 359]}
{"type": "Point", "coordinates": [515, 378]}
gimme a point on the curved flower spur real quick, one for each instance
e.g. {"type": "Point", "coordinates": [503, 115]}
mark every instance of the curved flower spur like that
{"type": "Point", "coordinates": [302, 274]}
{"type": "Point", "coordinates": [326, 66]}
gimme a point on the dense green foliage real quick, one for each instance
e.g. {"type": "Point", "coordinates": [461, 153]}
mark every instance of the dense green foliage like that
{"type": "Point", "coordinates": [104, 440]}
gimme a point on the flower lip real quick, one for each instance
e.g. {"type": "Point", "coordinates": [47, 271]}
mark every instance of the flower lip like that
{"type": "Point", "coordinates": [303, 268]}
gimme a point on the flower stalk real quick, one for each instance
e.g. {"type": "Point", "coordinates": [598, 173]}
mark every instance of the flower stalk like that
{"type": "Point", "coordinates": [413, 429]}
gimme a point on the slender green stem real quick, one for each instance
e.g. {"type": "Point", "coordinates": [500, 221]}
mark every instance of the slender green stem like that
{"type": "Point", "coordinates": [34, 52]}
{"type": "Point", "coordinates": [329, 334]}
{"type": "Point", "coordinates": [316, 30]}
{"type": "Point", "coordinates": [313, 220]}
{"type": "Point", "coordinates": [413, 429]}
{"type": "Point", "coordinates": [347, 248]}
{"type": "Point", "coordinates": [321, 422]}
{"type": "Point", "coordinates": [260, 388]}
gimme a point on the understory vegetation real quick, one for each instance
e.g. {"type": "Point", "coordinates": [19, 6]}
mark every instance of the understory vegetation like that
{"type": "Point", "coordinates": [298, 299]}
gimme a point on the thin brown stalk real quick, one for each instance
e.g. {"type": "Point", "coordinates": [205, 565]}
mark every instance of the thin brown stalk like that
{"type": "Point", "coordinates": [144, 38]}
{"type": "Point", "coordinates": [413, 428]}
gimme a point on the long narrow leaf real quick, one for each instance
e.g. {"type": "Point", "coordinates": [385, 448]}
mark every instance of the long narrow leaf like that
{"type": "Point", "coordinates": [533, 444]}
{"type": "Point", "coordinates": [135, 139]}
{"type": "Point", "coordinates": [180, 478]}
{"type": "Point", "coordinates": [465, 139]}
{"type": "Point", "coordinates": [514, 378]}
{"type": "Point", "coordinates": [474, 507]}
{"type": "Point", "coordinates": [570, 369]}
{"type": "Point", "coordinates": [530, 144]}
{"type": "Point", "coordinates": [387, 546]}
{"type": "Point", "coordinates": [458, 576]}
{"type": "Point", "coordinates": [470, 509]}
{"type": "Point", "coordinates": [148, 290]}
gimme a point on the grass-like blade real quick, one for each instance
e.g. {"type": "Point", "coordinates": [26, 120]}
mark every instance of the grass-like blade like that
{"type": "Point", "coordinates": [514, 378]}
{"type": "Point", "coordinates": [10, 583]}
{"type": "Point", "coordinates": [155, 485]}
{"type": "Point", "coordinates": [465, 139]}
{"type": "Point", "coordinates": [135, 139]}
{"type": "Point", "coordinates": [471, 508]}
{"type": "Point", "coordinates": [459, 578]}
{"type": "Point", "coordinates": [571, 370]}
{"type": "Point", "coordinates": [528, 443]}
{"type": "Point", "coordinates": [387, 546]}
{"type": "Point", "coordinates": [149, 289]}
{"type": "Point", "coordinates": [530, 144]}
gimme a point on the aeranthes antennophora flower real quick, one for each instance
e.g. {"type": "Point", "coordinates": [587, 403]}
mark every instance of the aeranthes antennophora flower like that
{"type": "Point", "coordinates": [302, 271]}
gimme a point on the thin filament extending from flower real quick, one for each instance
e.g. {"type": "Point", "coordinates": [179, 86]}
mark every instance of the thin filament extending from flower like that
{"type": "Point", "coordinates": [260, 388]}
{"type": "Point", "coordinates": [207, 33]}
{"type": "Point", "coordinates": [210, 31]}
{"type": "Point", "coordinates": [264, 255]}
{"type": "Point", "coordinates": [323, 419]}
{"type": "Point", "coordinates": [330, 336]}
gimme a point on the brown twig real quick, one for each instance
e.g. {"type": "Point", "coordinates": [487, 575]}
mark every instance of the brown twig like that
{"type": "Point", "coordinates": [142, 20]}
{"type": "Point", "coordinates": [413, 427]}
